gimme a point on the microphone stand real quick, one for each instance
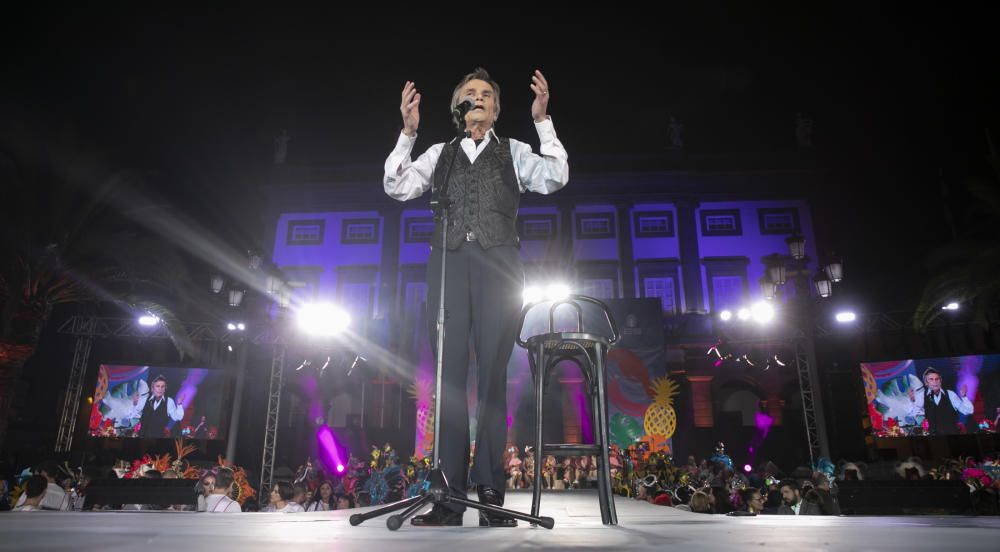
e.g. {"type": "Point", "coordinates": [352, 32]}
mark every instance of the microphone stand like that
{"type": "Point", "coordinates": [435, 488]}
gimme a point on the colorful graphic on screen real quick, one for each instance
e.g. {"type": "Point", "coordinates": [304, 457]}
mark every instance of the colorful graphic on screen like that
{"type": "Point", "coordinates": [157, 403]}
{"type": "Point", "coordinates": [933, 396]}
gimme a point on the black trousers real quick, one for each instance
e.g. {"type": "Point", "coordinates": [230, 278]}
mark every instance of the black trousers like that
{"type": "Point", "coordinates": [483, 298]}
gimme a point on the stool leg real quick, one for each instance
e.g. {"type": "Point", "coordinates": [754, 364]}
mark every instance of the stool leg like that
{"type": "Point", "coordinates": [602, 403]}
{"type": "Point", "coordinates": [540, 373]}
{"type": "Point", "coordinates": [595, 416]}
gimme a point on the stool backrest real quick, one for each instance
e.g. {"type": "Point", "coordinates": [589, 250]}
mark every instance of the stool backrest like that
{"type": "Point", "coordinates": [574, 301]}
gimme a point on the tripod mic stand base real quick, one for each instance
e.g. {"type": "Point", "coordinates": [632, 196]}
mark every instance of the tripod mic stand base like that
{"type": "Point", "coordinates": [438, 493]}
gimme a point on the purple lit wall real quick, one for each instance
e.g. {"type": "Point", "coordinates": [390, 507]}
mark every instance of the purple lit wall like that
{"type": "Point", "coordinates": [537, 251]}
{"type": "Point", "coordinates": [752, 243]}
{"type": "Point", "coordinates": [315, 257]}
{"type": "Point", "coordinates": [413, 252]}
{"type": "Point", "coordinates": [602, 249]}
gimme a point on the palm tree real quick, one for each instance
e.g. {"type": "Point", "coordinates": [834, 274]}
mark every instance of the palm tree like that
{"type": "Point", "coordinates": [967, 268]}
{"type": "Point", "coordinates": [64, 242]}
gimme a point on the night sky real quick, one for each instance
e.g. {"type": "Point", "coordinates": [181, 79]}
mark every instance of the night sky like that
{"type": "Point", "coordinates": [197, 95]}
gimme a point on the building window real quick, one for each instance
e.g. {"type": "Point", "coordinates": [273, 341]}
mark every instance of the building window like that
{"type": "Point", "coordinates": [599, 288]}
{"type": "Point", "coordinates": [658, 278]}
{"type": "Point", "coordinates": [599, 279]}
{"type": "Point", "coordinates": [305, 232]}
{"type": "Point", "coordinates": [778, 221]}
{"type": "Point", "coordinates": [591, 226]}
{"type": "Point", "coordinates": [356, 293]}
{"type": "Point", "coordinates": [537, 227]}
{"type": "Point", "coordinates": [726, 278]}
{"type": "Point", "coordinates": [721, 222]}
{"type": "Point", "coordinates": [653, 224]}
{"type": "Point", "coordinates": [360, 231]}
{"type": "Point", "coordinates": [419, 230]}
{"type": "Point", "coordinates": [662, 288]}
{"type": "Point", "coordinates": [727, 292]}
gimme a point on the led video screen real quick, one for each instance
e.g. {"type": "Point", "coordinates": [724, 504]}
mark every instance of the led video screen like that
{"type": "Point", "coordinates": [157, 402]}
{"type": "Point", "coordinates": [933, 396]}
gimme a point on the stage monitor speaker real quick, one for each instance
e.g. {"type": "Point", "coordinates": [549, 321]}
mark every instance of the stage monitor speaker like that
{"type": "Point", "coordinates": [163, 492]}
{"type": "Point", "coordinates": [901, 497]}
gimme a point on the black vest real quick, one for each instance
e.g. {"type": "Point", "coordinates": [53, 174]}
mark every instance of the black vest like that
{"type": "Point", "coordinates": [941, 418]}
{"type": "Point", "coordinates": [484, 195]}
{"type": "Point", "coordinates": [153, 421]}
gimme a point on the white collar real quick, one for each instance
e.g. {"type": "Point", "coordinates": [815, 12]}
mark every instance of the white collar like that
{"type": "Point", "coordinates": [486, 139]}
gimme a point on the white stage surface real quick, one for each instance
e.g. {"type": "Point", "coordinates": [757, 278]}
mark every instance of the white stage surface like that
{"type": "Point", "coordinates": [578, 527]}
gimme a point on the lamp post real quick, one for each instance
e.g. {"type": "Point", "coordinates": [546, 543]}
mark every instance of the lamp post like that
{"type": "Point", "coordinates": [236, 297]}
{"type": "Point", "coordinates": [795, 266]}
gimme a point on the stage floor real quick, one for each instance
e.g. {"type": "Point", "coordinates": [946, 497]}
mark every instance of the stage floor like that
{"type": "Point", "coordinates": [578, 527]}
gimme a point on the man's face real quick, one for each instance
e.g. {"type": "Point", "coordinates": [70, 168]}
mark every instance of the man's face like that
{"type": "Point", "coordinates": [485, 110]}
{"type": "Point", "coordinates": [789, 495]}
{"type": "Point", "coordinates": [933, 382]}
{"type": "Point", "coordinates": [159, 388]}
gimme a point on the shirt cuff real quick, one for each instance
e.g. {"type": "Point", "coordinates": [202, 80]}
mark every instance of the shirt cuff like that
{"type": "Point", "coordinates": [404, 142]}
{"type": "Point", "coordinates": [546, 131]}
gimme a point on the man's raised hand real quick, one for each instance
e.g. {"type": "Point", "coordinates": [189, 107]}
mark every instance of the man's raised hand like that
{"type": "Point", "coordinates": [409, 108]}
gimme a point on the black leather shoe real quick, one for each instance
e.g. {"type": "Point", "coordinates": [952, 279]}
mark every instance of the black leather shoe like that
{"type": "Point", "coordinates": [493, 497]}
{"type": "Point", "coordinates": [439, 516]}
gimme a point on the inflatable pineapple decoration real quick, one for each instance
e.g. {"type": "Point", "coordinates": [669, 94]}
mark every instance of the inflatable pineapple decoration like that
{"type": "Point", "coordinates": [660, 417]}
{"type": "Point", "coordinates": [421, 391]}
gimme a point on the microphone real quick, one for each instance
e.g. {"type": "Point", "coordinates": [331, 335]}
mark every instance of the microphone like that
{"type": "Point", "coordinates": [463, 107]}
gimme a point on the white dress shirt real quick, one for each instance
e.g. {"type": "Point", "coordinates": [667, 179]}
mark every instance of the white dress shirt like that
{"type": "Point", "coordinates": [545, 173]}
{"type": "Point", "coordinates": [55, 498]}
{"type": "Point", "coordinates": [174, 411]}
{"type": "Point", "coordinates": [222, 504]}
{"type": "Point", "coordinates": [962, 405]}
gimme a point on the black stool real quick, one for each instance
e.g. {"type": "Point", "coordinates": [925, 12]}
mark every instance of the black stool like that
{"type": "Point", "coordinates": [589, 351]}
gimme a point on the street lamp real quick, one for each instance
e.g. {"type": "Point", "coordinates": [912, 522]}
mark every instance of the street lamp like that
{"type": "Point", "coordinates": [796, 246]}
{"type": "Point", "coordinates": [767, 288]}
{"type": "Point", "coordinates": [834, 270]}
{"type": "Point", "coordinates": [775, 273]}
{"type": "Point", "coordinates": [216, 283]}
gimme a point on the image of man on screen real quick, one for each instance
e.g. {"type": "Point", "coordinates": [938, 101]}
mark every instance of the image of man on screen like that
{"type": "Point", "coordinates": [941, 408]}
{"type": "Point", "coordinates": [156, 410]}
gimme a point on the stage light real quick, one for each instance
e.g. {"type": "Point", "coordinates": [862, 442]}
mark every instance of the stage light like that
{"type": "Point", "coordinates": [952, 306]}
{"type": "Point", "coordinates": [846, 317]}
{"type": "Point", "coordinates": [747, 468]}
{"type": "Point", "coordinates": [241, 326]}
{"type": "Point", "coordinates": [726, 315]}
{"type": "Point", "coordinates": [557, 291]}
{"type": "Point", "coordinates": [340, 468]}
{"type": "Point", "coordinates": [533, 294]}
{"type": "Point", "coordinates": [778, 361]}
{"type": "Point", "coordinates": [230, 347]}
{"type": "Point", "coordinates": [743, 314]}
{"type": "Point", "coordinates": [323, 319]}
{"type": "Point", "coordinates": [763, 312]}
{"type": "Point", "coordinates": [231, 327]}
{"type": "Point", "coordinates": [148, 320]}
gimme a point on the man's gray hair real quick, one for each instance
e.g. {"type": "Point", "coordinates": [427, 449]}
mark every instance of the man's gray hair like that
{"type": "Point", "coordinates": [480, 74]}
